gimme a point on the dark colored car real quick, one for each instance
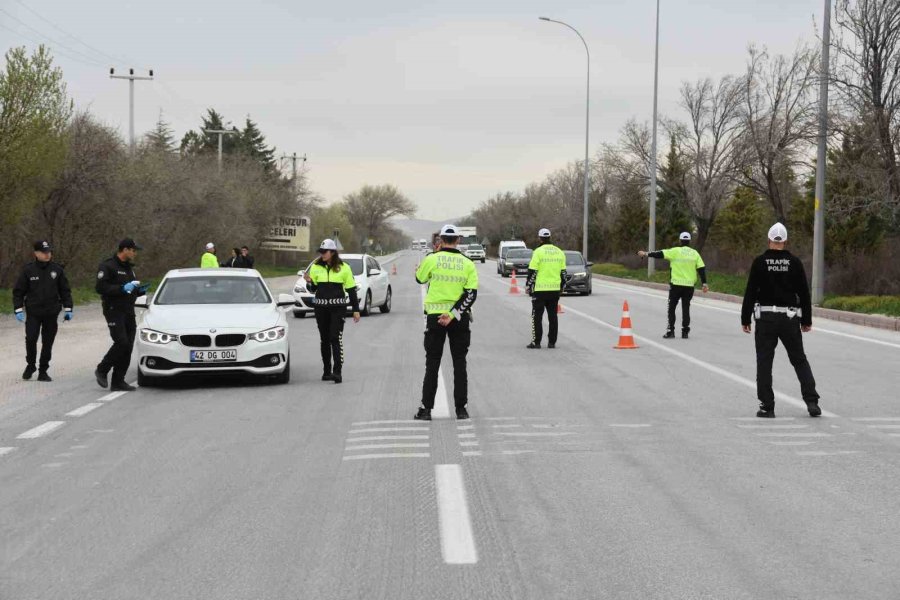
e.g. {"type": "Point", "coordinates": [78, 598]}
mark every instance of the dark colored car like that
{"type": "Point", "coordinates": [516, 259]}
{"type": "Point", "coordinates": [579, 271]}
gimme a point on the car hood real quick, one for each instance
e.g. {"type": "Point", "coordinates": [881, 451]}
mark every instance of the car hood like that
{"type": "Point", "coordinates": [203, 317]}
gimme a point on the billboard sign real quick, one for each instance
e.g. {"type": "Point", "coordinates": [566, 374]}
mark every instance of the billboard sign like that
{"type": "Point", "coordinates": [289, 234]}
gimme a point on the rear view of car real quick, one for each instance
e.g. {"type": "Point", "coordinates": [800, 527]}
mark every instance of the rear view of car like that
{"type": "Point", "coordinates": [474, 252]}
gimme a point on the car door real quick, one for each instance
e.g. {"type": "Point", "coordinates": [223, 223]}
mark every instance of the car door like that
{"type": "Point", "coordinates": [378, 282]}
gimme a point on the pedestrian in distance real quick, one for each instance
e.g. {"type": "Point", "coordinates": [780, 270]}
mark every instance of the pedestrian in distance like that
{"type": "Point", "coordinates": [332, 281]}
{"type": "Point", "coordinates": [546, 280]}
{"type": "Point", "coordinates": [119, 288]}
{"type": "Point", "coordinates": [686, 264]}
{"type": "Point", "coordinates": [39, 295]}
{"type": "Point", "coordinates": [209, 260]}
{"type": "Point", "coordinates": [235, 261]}
{"type": "Point", "coordinates": [777, 295]}
{"type": "Point", "coordinates": [452, 287]}
{"type": "Point", "coordinates": [248, 261]}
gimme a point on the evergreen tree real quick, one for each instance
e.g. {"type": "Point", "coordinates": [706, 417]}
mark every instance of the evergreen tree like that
{"type": "Point", "coordinates": [161, 138]}
{"type": "Point", "coordinates": [252, 143]}
{"type": "Point", "coordinates": [672, 213]}
{"type": "Point", "coordinates": [200, 142]}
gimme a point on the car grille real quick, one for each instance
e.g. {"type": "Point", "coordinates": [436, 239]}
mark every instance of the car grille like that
{"type": "Point", "coordinates": [196, 341]}
{"type": "Point", "coordinates": [230, 339]}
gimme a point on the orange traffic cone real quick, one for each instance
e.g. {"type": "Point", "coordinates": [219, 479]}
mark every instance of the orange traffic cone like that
{"type": "Point", "coordinates": [514, 285]}
{"type": "Point", "coordinates": [626, 339]}
{"type": "Point", "coordinates": [559, 309]}
{"type": "Point", "coordinates": [394, 269]}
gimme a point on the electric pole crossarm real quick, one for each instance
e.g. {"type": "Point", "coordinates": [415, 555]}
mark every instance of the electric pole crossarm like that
{"type": "Point", "coordinates": [131, 77]}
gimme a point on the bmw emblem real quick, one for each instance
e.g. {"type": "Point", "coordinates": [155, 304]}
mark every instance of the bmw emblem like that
{"type": "Point", "coordinates": [212, 330]}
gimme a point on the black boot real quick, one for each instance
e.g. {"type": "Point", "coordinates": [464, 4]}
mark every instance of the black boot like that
{"type": "Point", "coordinates": [533, 346]}
{"type": "Point", "coordinates": [336, 377]}
{"type": "Point", "coordinates": [327, 376]}
{"type": "Point", "coordinates": [28, 372]}
{"type": "Point", "coordinates": [669, 334]}
{"type": "Point", "coordinates": [462, 413]}
{"type": "Point", "coordinates": [766, 412]}
{"type": "Point", "coordinates": [813, 408]}
{"type": "Point", "coordinates": [424, 414]}
{"type": "Point", "coordinates": [684, 332]}
{"type": "Point", "coordinates": [121, 386]}
{"type": "Point", "coordinates": [42, 376]}
{"type": "Point", "coordinates": [101, 377]}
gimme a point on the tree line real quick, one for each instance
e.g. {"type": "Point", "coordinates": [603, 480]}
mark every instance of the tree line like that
{"type": "Point", "coordinates": [740, 155]}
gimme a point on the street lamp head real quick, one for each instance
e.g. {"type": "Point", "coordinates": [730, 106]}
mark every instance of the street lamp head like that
{"type": "Point", "coordinates": [112, 71]}
{"type": "Point", "coordinates": [544, 18]}
{"type": "Point", "coordinates": [151, 72]}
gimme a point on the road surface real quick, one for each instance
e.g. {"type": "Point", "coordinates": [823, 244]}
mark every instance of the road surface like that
{"type": "Point", "coordinates": [584, 473]}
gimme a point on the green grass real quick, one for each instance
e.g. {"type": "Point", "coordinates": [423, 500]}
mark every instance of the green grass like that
{"type": "Point", "coordinates": [85, 294]}
{"type": "Point", "coordinates": [735, 284]}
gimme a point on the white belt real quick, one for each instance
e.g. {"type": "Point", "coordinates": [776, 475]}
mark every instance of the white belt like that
{"type": "Point", "coordinates": [790, 311]}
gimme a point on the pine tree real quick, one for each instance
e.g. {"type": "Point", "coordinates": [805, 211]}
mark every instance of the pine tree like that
{"type": "Point", "coordinates": [161, 138]}
{"type": "Point", "coordinates": [672, 213]}
{"type": "Point", "coordinates": [200, 142]}
{"type": "Point", "coordinates": [252, 143]}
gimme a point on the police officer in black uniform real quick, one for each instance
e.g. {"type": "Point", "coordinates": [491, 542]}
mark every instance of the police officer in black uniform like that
{"type": "Point", "coordinates": [39, 295]}
{"type": "Point", "coordinates": [119, 288]}
{"type": "Point", "coordinates": [778, 296]}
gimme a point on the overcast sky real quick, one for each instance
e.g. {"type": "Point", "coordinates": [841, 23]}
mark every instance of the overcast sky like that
{"type": "Point", "coordinates": [451, 101]}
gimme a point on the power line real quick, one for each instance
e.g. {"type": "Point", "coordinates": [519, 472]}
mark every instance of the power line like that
{"type": "Point", "coordinates": [64, 32]}
{"type": "Point", "coordinates": [53, 41]}
{"type": "Point", "coordinates": [56, 50]}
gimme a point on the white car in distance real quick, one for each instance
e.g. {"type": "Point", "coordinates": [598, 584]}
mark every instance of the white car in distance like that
{"type": "Point", "coordinates": [203, 321]}
{"type": "Point", "coordinates": [373, 286]}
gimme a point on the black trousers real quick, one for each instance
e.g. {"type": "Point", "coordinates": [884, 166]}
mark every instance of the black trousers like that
{"type": "Point", "coordinates": [460, 337]}
{"type": "Point", "coordinates": [331, 337]}
{"type": "Point", "coordinates": [770, 328]}
{"type": "Point", "coordinates": [541, 301]}
{"type": "Point", "coordinates": [45, 327]}
{"type": "Point", "coordinates": [685, 294]}
{"type": "Point", "coordinates": [122, 329]}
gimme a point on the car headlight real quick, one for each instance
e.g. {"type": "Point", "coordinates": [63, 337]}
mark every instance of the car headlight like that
{"type": "Point", "coordinates": [579, 275]}
{"type": "Point", "coordinates": [268, 335]}
{"type": "Point", "coordinates": [509, 264]}
{"type": "Point", "coordinates": [299, 289]}
{"type": "Point", "coordinates": [157, 337]}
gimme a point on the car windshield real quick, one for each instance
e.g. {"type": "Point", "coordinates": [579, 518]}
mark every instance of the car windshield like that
{"type": "Point", "coordinates": [213, 290]}
{"type": "Point", "coordinates": [356, 265]}
{"type": "Point", "coordinates": [574, 259]}
{"type": "Point", "coordinates": [519, 253]}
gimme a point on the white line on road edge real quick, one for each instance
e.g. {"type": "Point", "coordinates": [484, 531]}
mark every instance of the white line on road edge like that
{"type": "Point", "coordinates": [876, 419]}
{"type": "Point", "coordinates": [377, 429]}
{"type": "Point", "coordinates": [791, 443]}
{"type": "Point", "coordinates": [80, 412]}
{"type": "Point", "coordinates": [630, 425]}
{"type": "Point", "coordinates": [386, 455]}
{"type": "Point", "coordinates": [535, 433]}
{"type": "Point", "coordinates": [700, 363]}
{"type": "Point", "coordinates": [111, 396]}
{"type": "Point", "coordinates": [457, 539]}
{"type": "Point", "coordinates": [808, 435]}
{"type": "Point", "coordinates": [383, 446]}
{"type": "Point", "coordinates": [376, 438]}
{"type": "Point", "coordinates": [6, 450]}
{"type": "Point", "coordinates": [773, 426]}
{"type": "Point", "coordinates": [396, 422]}
{"type": "Point", "coordinates": [40, 430]}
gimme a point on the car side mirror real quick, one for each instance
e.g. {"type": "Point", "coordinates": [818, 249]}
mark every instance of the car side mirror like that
{"type": "Point", "coordinates": [589, 264]}
{"type": "Point", "coordinates": [285, 300]}
{"type": "Point", "coordinates": [374, 272]}
{"type": "Point", "coordinates": [142, 301]}
{"type": "Point", "coordinates": [300, 273]}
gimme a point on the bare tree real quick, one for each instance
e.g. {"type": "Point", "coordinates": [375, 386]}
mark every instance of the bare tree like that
{"type": "Point", "coordinates": [778, 116]}
{"type": "Point", "coordinates": [710, 142]}
{"type": "Point", "coordinates": [866, 76]}
{"type": "Point", "coordinates": [372, 206]}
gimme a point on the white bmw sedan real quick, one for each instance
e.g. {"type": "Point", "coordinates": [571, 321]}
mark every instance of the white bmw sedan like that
{"type": "Point", "coordinates": [213, 321]}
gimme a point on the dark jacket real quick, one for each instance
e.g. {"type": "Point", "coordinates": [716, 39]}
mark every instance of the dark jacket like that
{"type": "Point", "coordinates": [42, 289]}
{"type": "Point", "coordinates": [249, 261]}
{"type": "Point", "coordinates": [111, 276]}
{"type": "Point", "coordinates": [777, 278]}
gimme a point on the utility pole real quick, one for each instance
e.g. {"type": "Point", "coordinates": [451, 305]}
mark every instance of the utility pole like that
{"type": "Point", "coordinates": [221, 132]}
{"type": "Point", "coordinates": [131, 77]}
{"type": "Point", "coordinates": [294, 158]}
{"type": "Point", "coordinates": [818, 270]}
{"type": "Point", "coordinates": [651, 245]}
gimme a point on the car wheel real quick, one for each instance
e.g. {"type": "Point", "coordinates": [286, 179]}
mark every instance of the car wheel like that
{"type": "Point", "coordinates": [299, 314]}
{"type": "Point", "coordinates": [386, 307]}
{"type": "Point", "coordinates": [285, 376]}
{"type": "Point", "coordinates": [367, 307]}
{"type": "Point", "coordinates": [482, 261]}
{"type": "Point", "coordinates": [146, 380]}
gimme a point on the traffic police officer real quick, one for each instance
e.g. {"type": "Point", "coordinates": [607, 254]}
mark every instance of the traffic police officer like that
{"type": "Point", "coordinates": [209, 260]}
{"type": "Point", "coordinates": [546, 279]}
{"type": "Point", "coordinates": [119, 288]}
{"type": "Point", "coordinates": [332, 281]}
{"type": "Point", "coordinates": [778, 296]}
{"type": "Point", "coordinates": [686, 264]}
{"type": "Point", "coordinates": [452, 287]}
{"type": "Point", "coordinates": [39, 295]}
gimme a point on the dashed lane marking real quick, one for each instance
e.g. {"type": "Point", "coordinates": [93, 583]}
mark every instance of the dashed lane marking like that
{"type": "Point", "coordinates": [757, 419]}
{"type": "Point", "coordinates": [397, 422]}
{"type": "Point", "coordinates": [457, 537]}
{"type": "Point", "coordinates": [387, 455]}
{"type": "Point", "coordinates": [465, 435]}
{"type": "Point", "coordinates": [378, 438]}
{"type": "Point", "coordinates": [634, 425]}
{"type": "Point", "coordinates": [875, 419]}
{"type": "Point", "coordinates": [470, 443]}
{"type": "Point", "coordinates": [785, 434]}
{"type": "Point", "coordinates": [471, 452]}
{"type": "Point", "coordinates": [385, 429]}
{"type": "Point", "coordinates": [536, 433]}
{"type": "Point", "coordinates": [6, 450]}
{"type": "Point", "coordinates": [111, 396]}
{"type": "Point", "coordinates": [794, 443]}
{"type": "Point", "coordinates": [81, 411]}
{"type": "Point", "coordinates": [883, 426]}
{"type": "Point", "coordinates": [384, 446]}
{"type": "Point", "coordinates": [506, 425]}
{"type": "Point", "coordinates": [40, 430]}
{"type": "Point", "coordinates": [773, 426]}
{"type": "Point", "coordinates": [824, 453]}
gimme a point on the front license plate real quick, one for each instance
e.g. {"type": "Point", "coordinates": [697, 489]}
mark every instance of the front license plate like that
{"type": "Point", "coordinates": [211, 356]}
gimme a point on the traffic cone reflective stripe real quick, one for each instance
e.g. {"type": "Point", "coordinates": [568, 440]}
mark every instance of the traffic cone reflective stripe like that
{"type": "Point", "coordinates": [626, 338]}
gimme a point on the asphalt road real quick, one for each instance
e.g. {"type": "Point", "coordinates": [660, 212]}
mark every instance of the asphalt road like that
{"type": "Point", "coordinates": [585, 472]}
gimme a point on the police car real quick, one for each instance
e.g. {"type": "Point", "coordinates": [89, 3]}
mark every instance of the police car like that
{"type": "Point", "coordinates": [203, 321]}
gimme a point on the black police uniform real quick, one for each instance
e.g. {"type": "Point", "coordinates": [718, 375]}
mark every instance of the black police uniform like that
{"type": "Point", "coordinates": [118, 310]}
{"type": "Point", "coordinates": [42, 291]}
{"type": "Point", "coordinates": [777, 284]}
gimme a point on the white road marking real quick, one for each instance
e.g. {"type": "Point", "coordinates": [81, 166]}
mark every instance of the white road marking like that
{"type": "Point", "coordinates": [379, 429]}
{"type": "Point", "coordinates": [876, 419]}
{"type": "Point", "coordinates": [53, 465]}
{"type": "Point", "coordinates": [779, 434]}
{"type": "Point", "coordinates": [511, 452]}
{"type": "Point", "coordinates": [397, 422]}
{"type": "Point", "coordinates": [630, 425]}
{"type": "Point", "coordinates": [883, 426]}
{"type": "Point", "coordinates": [441, 408]}
{"type": "Point", "coordinates": [457, 538]}
{"type": "Point", "coordinates": [111, 396]}
{"type": "Point", "coordinates": [894, 434]}
{"type": "Point", "coordinates": [773, 426]}
{"type": "Point", "coordinates": [6, 450]}
{"type": "Point", "coordinates": [469, 443]}
{"type": "Point", "coordinates": [505, 425]}
{"type": "Point", "coordinates": [757, 419]}
{"type": "Point", "coordinates": [471, 453]}
{"type": "Point", "coordinates": [80, 412]}
{"type": "Point", "coordinates": [791, 443]}
{"type": "Point", "coordinates": [386, 455]}
{"type": "Point", "coordinates": [536, 433]}
{"type": "Point", "coordinates": [40, 430]}
{"type": "Point", "coordinates": [465, 435]}
{"type": "Point", "coordinates": [377, 438]}
{"type": "Point", "coordinates": [383, 446]}
{"type": "Point", "coordinates": [465, 427]}
{"type": "Point", "coordinates": [64, 455]}
{"type": "Point", "coordinates": [823, 453]}
{"type": "Point", "coordinates": [79, 447]}
{"type": "Point", "coordinates": [500, 418]}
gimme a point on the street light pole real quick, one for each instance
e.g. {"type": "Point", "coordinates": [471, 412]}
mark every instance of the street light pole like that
{"type": "Point", "coordinates": [818, 267]}
{"type": "Point", "coordinates": [587, 130]}
{"type": "Point", "coordinates": [131, 77]}
{"type": "Point", "coordinates": [221, 132]}
{"type": "Point", "coordinates": [651, 244]}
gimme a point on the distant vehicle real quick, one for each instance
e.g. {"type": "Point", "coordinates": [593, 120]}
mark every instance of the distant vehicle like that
{"type": "Point", "coordinates": [213, 321]}
{"type": "Point", "coordinates": [503, 249]}
{"type": "Point", "coordinates": [580, 280]}
{"type": "Point", "coordinates": [423, 244]}
{"type": "Point", "coordinates": [517, 260]}
{"type": "Point", "coordinates": [373, 287]}
{"type": "Point", "coordinates": [473, 252]}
